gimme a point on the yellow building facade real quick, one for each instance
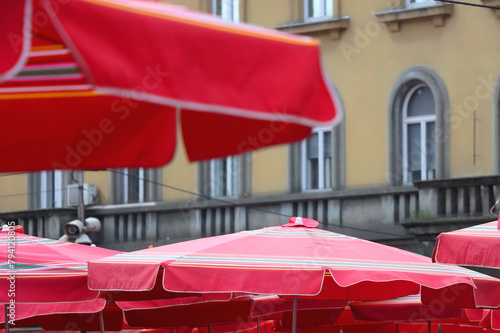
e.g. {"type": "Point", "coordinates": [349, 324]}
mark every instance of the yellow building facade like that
{"type": "Point", "coordinates": [417, 151]}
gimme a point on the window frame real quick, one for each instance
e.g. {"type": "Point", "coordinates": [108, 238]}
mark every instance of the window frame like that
{"type": "Point", "coordinates": [408, 78]}
{"type": "Point", "coordinates": [120, 186]}
{"type": "Point", "coordinates": [43, 196]}
{"type": "Point", "coordinates": [324, 10]}
{"type": "Point", "coordinates": [420, 3]}
{"type": "Point", "coordinates": [229, 9]}
{"type": "Point", "coordinates": [423, 121]}
{"type": "Point", "coordinates": [230, 189]}
{"type": "Point", "coordinates": [306, 179]}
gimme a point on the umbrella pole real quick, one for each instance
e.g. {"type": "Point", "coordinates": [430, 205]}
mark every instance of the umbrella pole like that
{"type": "Point", "coordinates": [6, 318]}
{"type": "Point", "coordinates": [101, 320]}
{"type": "Point", "coordinates": [258, 324]}
{"type": "Point", "coordinates": [294, 320]}
{"type": "Point", "coordinates": [81, 204]}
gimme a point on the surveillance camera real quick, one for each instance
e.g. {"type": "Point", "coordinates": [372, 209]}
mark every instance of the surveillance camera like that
{"type": "Point", "coordinates": [83, 239]}
{"type": "Point", "coordinates": [92, 224]}
{"type": "Point", "coordinates": [73, 228]}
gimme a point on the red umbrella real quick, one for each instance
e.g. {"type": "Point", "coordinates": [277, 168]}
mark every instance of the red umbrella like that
{"type": "Point", "coordinates": [36, 270]}
{"type": "Point", "coordinates": [296, 260]}
{"type": "Point", "coordinates": [240, 310]}
{"type": "Point", "coordinates": [479, 246]}
{"type": "Point", "coordinates": [45, 284]}
{"type": "Point", "coordinates": [67, 316]}
{"type": "Point", "coordinates": [84, 84]}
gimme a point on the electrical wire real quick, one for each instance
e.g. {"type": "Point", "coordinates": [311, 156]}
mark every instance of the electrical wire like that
{"type": "Point", "coordinates": [207, 197]}
{"type": "Point", "coordinates": [469, 4]}
{"type": "Point", "coordinates": [253, 208]}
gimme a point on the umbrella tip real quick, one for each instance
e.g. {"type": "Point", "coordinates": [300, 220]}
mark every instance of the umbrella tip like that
{"type": "Point", "coordinates": [302, 222]}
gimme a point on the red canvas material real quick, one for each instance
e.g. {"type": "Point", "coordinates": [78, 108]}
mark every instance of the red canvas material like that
{"type": "Point", "coordinates": [293, 261]}
{"type": "Point", "coordinates": [478, 246]}
{"type": "Point", "coordinates": [92, 84]}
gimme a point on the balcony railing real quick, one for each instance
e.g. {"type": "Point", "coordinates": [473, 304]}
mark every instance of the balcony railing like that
{"type": "Point", "coordinates": [428, 207]}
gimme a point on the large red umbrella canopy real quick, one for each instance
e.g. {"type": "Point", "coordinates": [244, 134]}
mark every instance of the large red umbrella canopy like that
{"type": "Point", "coordinates": [478, 245]}
{"type": "Point", "coordinates": [296, 259]}
{"type": "Point", "coordinates": [88, 84]}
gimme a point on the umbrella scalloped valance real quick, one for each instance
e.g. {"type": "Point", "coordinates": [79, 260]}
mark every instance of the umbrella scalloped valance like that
{"type": "Point", "coordinates": [293, 260]}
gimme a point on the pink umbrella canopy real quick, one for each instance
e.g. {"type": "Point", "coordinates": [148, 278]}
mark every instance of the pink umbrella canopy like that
{"type": "Point", "coordinates": [478, 245]}
{"type": "Point", "coordinates": [37, 270]}
{"type": "Point", "coordinates": [295, 259]}
{"type": "Point", "coordinates": [89, 84]}
{"type": "Point", "coordinates": [66, 316]}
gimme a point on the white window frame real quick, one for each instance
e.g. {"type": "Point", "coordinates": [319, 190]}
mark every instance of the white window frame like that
{"type": "Point", "coordinates": [423, 121]}
{"type": "Point", "coordinates": [55, 190]}
{"type": "Point", "coordinates": [420, 3]}
{"type": "Point", "coordinates": [231, 189]}
{"type": "Point", "coordinates": [127, 189]}
{"type": "Point", "coordinates": [229, 9]}
{"type": "Point", "coordinates": [324, 9]}
{"type": "Point", "coordinates": [305, 176]}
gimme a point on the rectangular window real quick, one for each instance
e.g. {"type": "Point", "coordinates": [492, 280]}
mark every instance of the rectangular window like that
{"type": "Point", "coordinates": [224, 175]}
{"type": "Point", "coordinates": [133, 185]}
{"type": "Point", "coordinates": [136, 185]}
{"type": "Point", "coordinates": [51, 189]}
{"type": "Point", "coordinates": [419, 3]}
{"type": "Point", "coordinates": [317, 9]}
{"type": "Point", "coordinates": [229, 10]}
{"type": "Point", "coordinates": [317, 160]}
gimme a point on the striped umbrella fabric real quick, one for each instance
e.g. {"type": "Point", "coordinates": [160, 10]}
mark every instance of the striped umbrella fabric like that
{"type": "Point", "coordinates": [85, 83]}
{"type": "Point", "coordinates": [478, 245]}
{"type": "Point", "coordinates": [295, 259]}
{"type": "Point", "coordinates": [39, 270]}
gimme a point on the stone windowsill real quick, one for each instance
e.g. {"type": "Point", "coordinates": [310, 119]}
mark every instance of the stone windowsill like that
{"type": "Point", "coordinates": [334, 26]}
{"type": "Point", "coordinates": [493, 3]}
{"type": "Point", "coordinates": [395, 17]}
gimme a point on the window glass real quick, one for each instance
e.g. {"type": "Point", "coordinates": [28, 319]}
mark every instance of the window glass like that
{"type": "Point", "coordinates": [229, 10]}
{"type": "Point", "coordinates": [419, 150]}
{"type": "Point", "coordinates": [224, 175]}
{"type": "Point", "coordinates": [317, 160]}
{"type": "Point", "coordinates": [318, 8]}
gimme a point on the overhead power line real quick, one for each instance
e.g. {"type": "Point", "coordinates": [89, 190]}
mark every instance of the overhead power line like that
{"type": "Point", "coordinates": [469, 4]}
{"type": "Point", "coordinates": [207, 197]}
{"type": "Point", "coordinates": [253, 208]}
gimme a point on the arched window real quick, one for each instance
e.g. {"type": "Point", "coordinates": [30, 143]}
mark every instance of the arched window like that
{"type": "Point", "coordinates": [419, 126]}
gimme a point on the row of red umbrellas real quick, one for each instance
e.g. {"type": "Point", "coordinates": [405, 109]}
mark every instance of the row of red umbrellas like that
{"type": "Point", "coordinates": [84, 83]}
{"type": "Point", "coordinates": [312, 275]}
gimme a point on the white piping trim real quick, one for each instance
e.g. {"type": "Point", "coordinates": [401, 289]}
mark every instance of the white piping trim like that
{"type": "Point", "coordinates": [28, 9]}
{"type": "Point", "coordinates": [45, 88]}
{"type": "Point", "coordinates": [49, 53]}
{"type": "Point", "coordinates": [212, 108]}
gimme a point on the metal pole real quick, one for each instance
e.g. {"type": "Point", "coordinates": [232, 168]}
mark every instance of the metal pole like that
{"type": "Point", "coordinates": [101, 320]}
{"type": "Point", "coordinates": [6, 318]}
{"type": "Point", "coordinates": [81, 204]}
{"type": "Point", "coordinates": [294, 320]}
